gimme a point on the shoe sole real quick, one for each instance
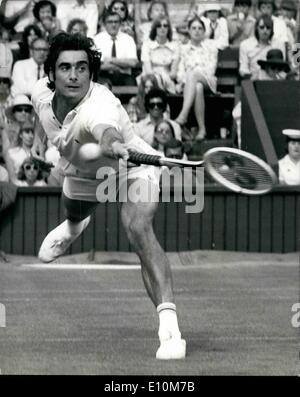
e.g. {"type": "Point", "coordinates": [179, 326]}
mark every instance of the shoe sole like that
{"type": "Point", "coordinates": [171, 350]}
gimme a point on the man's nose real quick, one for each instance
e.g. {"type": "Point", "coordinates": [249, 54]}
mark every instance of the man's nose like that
{"type": "Point", "coordinates": [73, 74]}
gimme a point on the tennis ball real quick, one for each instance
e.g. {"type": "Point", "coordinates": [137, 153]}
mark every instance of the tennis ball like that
{"type": "Point", "coordinates": [89, 152]}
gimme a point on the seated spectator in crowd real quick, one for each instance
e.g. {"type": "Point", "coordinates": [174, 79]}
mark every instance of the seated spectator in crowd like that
{"type": "Point", "coordinates": [3, 174]}
{"type": "Point", "coordinates": [5, 94]}
{"type": "Point", "coordinates": [17, 14]}
{"type": "Point", "coordinates": [289, 165]}
{"type": "Point", "coordinates": [267, 7]}
{"type": "Point", "coordinates": [30, 174]}
{"type": "Point", "coordinates": [119, 53]}
{"type": "Point", "coordinates": [6, 55]}
{"type": "Point", "coordinates": [77, 25]}
{"type": "Point", "coordinates": [160, 55]}
{"type": "Point", "coordinates": [157, 10]}
{"type": "Point", "coordinates": [196, 73]}
{"type": "Point", "coordinates": [28, 71]}
{"type": "Point", "coordinates": [273, 68]}
{"type": "Point", "coordinates": [44, 12]}
{"type": "Point", "coordinates": [121, 8]}
{"type": "Point", "coordinates": [257, 47]}
{"type": "Point", "coordinates": [288, 15]}
{"type": "Point", "coordinates": [83, 9]}
{"type": "Point", "coordinates": [240, 23]}
{"type": "Point", "coordinates": [155, 105]}
{"type": "Point", "coordinates": [18, 113]}
{"type": "Point", "coordinates": [16, 155]}
{"type": "Point", "coordinates": [136, 105]}
{"type": "Point", "coordinates": [216, 25]}
{"type": "Point", "coordinates": [31, 33]}
{"type": "Point", "coordinates": [163, 133]}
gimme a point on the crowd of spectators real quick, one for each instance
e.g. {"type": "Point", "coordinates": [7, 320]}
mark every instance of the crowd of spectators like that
{"type": "Point", "coordinates": [161, 48]}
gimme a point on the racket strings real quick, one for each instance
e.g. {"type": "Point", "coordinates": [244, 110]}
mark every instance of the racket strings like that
{"type": "Point", "coordinates": [241, 171]}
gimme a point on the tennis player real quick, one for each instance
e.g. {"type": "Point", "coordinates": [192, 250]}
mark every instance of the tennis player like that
{"type": "Point", "coordinates": [74, 110]}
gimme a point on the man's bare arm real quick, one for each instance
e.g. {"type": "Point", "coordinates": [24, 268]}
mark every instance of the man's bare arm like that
{"type": "Point", "coordinates": [111, 142]}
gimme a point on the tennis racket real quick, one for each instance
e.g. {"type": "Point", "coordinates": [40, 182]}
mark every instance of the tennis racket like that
{"type": "Point", "coordinates": [237, 170]}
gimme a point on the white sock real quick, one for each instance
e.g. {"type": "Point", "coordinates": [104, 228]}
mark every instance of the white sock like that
{"type": "Point", "coordinates": [168, 323]}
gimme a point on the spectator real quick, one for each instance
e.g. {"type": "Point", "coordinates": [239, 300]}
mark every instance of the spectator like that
{"type": "Point", "coordinates": [16, 155]}
{"type": "Point", "coordinates": [255, 48]}
{"type": "Point", "coordinates": [136, 105]}
{"type": "Point", "coordinates": [155, 105]}
{"type": "Point", "coordinates": [121, 8]}
{"type": "Point", "coordinates": [288, 15]}
{"type": "Point", "coordinates": [157, 9]}
{"type": "Point", "coordinates": [5, 95]}
{"type": "Point", "coordinates": [196, 73]}
{"type": "Point", "coordinates": [19, 112]}
{"type": "Point", "coordinates": [289, 165]}
{"type": "Point", "coordinates": [267, 7]}
{"type": "Point", "coordinates": [44, 12]}
{"type": "Point", "coordinates": [160, 55]}
{"type": "Point", "coordinates": [28, 71]}
{"type": "Point", "coordinates": [77, 25]}
{"type": "Point", "coordinates": [6, 55]}
{"type": "Point", "coordinates": [240, 23]}
{"type": "Point", "coordinates": [216, 25]}
{"type": "Point", "coordinates": [273, 68]}
{"type": "Point", "coordinates": [83, 9]}
{"type": "Point", "coordinates": [30, 174]}
{"type": "Point", "coordinates": [163, 133]}
{"type": "Point", "coordinates": [31, 33]}
{"type": "Point", "coordinates": [17, 14]}
{"type": "Point", "coordinates": [119, 53]}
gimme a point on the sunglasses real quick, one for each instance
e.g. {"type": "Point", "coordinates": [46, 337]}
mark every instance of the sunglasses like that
{"type": "Point", "coordinates": [40, 49]}
{"type": "Point", "coordinates": [113, 22]}
{"type": "Point", "coordinates": [159, 105]}
{"type": "Point", "coordinates": [119, 8]}
{"type": "Point", "coordinates": [262, 27]}
{"type": "Point", "coordinates": [4, 80]}
{"type": "Point", "coordinates": [163, 25]}
{"type": "Point", "coordinates": [28, 167]}
{"type": "Point", "coordinates": [22, 109]}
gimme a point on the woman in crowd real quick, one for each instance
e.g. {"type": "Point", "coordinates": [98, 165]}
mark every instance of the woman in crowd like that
{"type": "Point", "coordinates": [31, 32]}
{"type": "Point", "coordinates": [16, 155]}
{"type": "Point", "coordinates": [77, 25]}
{"type": "Point", "coordinates": [196, 74]}
{"type": "Point", "coordinates": [44, 12]}
{"type": "Point", "coordinates": [163, 133]}
{"type": "Point", "coordinates": [157, 9]}
{"type": "Point", "coordinates": [289, 165]}
{"type": "Point", "coordinates": [19, 112]}
{"type": "Point", "coordinates": [160, 55]}
{"type": "Point", "coordinates": [121, 8]}
{"type": "Point", "coordinates": [30, 174]}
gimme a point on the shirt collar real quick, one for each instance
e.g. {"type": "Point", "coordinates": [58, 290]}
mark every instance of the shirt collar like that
{"type": "Point", "coordinates": [154, 44]}
{"type": "Point", "coordinates": [76, 5]}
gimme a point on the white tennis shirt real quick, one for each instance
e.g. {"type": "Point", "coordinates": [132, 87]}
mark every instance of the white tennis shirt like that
{"type": "Point", "coordinates": [99, 106]}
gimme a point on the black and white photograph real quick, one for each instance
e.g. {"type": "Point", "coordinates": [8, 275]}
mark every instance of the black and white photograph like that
{"type": "Point", "coordinates": [149, 191]}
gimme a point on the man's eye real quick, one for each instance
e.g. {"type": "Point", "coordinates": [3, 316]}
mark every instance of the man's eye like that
{"type": "Point", "coordinates": [82, 69]}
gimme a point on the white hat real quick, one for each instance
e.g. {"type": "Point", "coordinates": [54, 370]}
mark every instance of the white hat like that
{"type": "Point", "coordinates": [17, 101]}
{"type": "Point", "coordinates": [212, 6]}
{"type": "Point", "coordinates": [293, 134]}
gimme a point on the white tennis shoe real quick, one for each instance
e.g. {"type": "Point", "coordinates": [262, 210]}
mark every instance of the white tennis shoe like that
{"type": "Point", "coordinates": [171, 349]}
{"type": "Point", "coordinates": [58, 241]}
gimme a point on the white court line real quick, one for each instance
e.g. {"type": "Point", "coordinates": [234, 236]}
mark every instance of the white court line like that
{"type": "Point", "coordinates": [73, 266]}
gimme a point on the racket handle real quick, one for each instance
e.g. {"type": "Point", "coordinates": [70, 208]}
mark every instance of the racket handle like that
{"type": "Point", "coordinates": [142, 158]}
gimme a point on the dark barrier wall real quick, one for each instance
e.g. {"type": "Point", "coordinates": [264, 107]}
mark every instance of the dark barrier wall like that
{"type": "Point", "coordinates": [229, 221]}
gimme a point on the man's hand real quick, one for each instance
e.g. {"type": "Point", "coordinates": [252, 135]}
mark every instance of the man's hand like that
{"type": "Point", "coordinates": [120, 151]}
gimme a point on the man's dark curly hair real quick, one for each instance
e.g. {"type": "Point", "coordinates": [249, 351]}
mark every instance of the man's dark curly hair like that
{"type": "Point", "coordinates": [43, 3]}
{"type": "Point", "coordinates": [72, 42]}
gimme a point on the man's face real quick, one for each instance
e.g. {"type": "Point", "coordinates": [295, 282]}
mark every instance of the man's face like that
{"type": "Point", "coordinates": [264, 31]}
{"type": "Point", "coordinates": [294, 149]}
{"type": "Point", "coordinates": [4, 86]}
{"type": "Point", "coordinates": [112, 25]}
{"type": "Point", "coordinates": [45, 12]}
{"type": "Point", "coordinates": [266, 9]}
{"type": "Point", "coordinates": [212, 15]}
{"type": "Point", "coordinates": [157, 12]}
{"type": "Point", "coordinates": [39, 51]}
{"type": "Point", "coordinates": [156, 107]}
{"type": "Point", "coordinates": [72, 75]}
